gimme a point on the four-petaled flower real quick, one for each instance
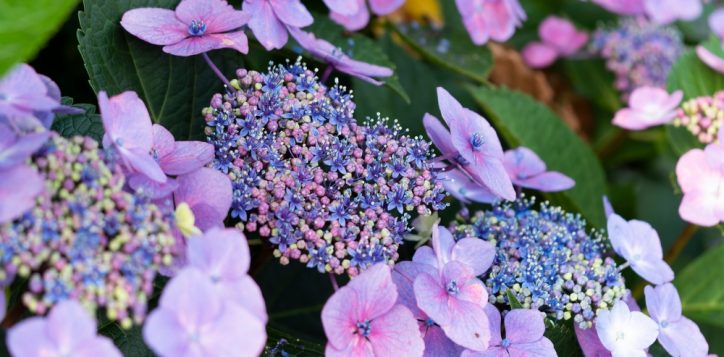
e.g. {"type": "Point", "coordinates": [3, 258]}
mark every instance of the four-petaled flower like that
{"type": "Point", "coordinates": [701, 177]}
{"type": "Point", "coordinates": [677, 334]}
{"type": "Point", "coordinates": [364, 319]}
{"type": "Point", "coordinates": [269, 20]}
{"type": "Point", "coordinates": [638, 243]}
{"type": "Point", "coordinates": [648, 106]}
{"type": "Point", "coordinates": [196, 26]}
{"type": "Point", "coordinates": [625, 333]}
{"type": "Point", "coordinates": [559, 37]}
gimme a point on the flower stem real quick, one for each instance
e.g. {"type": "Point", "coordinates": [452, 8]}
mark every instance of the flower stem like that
{"type": "Point", "coordinates": [327, 73]}
{"type": "Point", "coordinates": [680, 243]}
{"type": "Point", "coordinates": [216, 70]}
{"type": "Point", "coordinates": [333, 279]}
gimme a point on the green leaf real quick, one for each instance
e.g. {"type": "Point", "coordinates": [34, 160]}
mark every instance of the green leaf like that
{"type": "Point", "coordinates": [129, 341]}
{"type": "Point", "coordinates": [85, 124]}
{"type": "Point", "coordinates": [359, 47]}
{"type": "Point", "coordinates": [692, 76]}
{"type": "Point", "coordinates": [564, 339]}
{"type": "Point", "coordinates": [175, 89]}
{"type": "Point", "coordinates": [701, 287]}
{"type": "Point", "coordinates": [279, 343]}
{"type": "Point", "coordinates": [681, 140]}
{"type": "Point", "coordinates": [590, 79]}
{"type": "Point", "coordinates": [512, 300]}
{"type": "Point", "coordinates": [522, 121]}
{"type": "Point", "coordinates": [25, 26]}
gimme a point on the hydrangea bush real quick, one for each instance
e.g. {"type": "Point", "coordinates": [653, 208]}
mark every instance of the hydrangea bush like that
{"type": "Point", "coordinates": [362, 178]}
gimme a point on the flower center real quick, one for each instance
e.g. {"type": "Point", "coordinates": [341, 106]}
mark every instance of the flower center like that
{"type": "Point", "coordinates": [620, 336]}
{"type": "Point", "coordinates": [664, 324]}
{"type": "Point", "coordinates": [429, 322]}
{"type": "Point", "coordinates": [364, 328]}
{"type": "Point", "coordinates": [505, 343]}
{"type": "Point", "coordinates": [452, 288]}
{"type": "Point", "coordinates": [197, 28]}
{"type": "Point", "coordinates": [477, 141]}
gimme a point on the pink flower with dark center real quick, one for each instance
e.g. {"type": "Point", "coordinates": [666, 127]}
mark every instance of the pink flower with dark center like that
{"type": "Point", "coordinates": [194, 27]}
{"type": "Point", "coordinates": [364, 319]}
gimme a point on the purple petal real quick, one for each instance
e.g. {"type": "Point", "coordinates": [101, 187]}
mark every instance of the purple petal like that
{"type": "Point", "coordinates": [622, 7]}
{"type": "Point", "coordinates": [524, 326]}
{"type": "Point", "coordinates": [463, 188]}
{"type": "Point", "coordinates": [710, 59]}
{"type": "Point", "coordinates": [192, 298]}
{"type": "Point", "coordinates": [438, 344]}
{"type": "Point", "coordinates": [655, 271]}
{"type": "Point", "coordinates": [187, 156]}
{"type": "Point", "coordinates": [163, 332]}
{"type": "Point", "coordinates": [470, 328]}
{"type": "Point", "coordinates": [29, 338]}
{"type": "Point", "coordinates": [220, 252]}
{"type": "Point", "coordinates": [547, 182]}
{"type": "Point", "coordinates": [194, 45]}
{"type": "Point", "coordinates": [234, 40]}
{"type": "Point", "coordinates": [356, 21]}
{"type": "Point", "coordinates": [126, 121]}
{"type": "Point", "coordinates": [269, 31]}
{"type": "Point", "coordinates": [343, 7]}
{"type": "Point", "coordinates": [663, 302]}
{"type": "Point", "coordinates": [385, 7]}
{"type": "Point", "coordinates": [543, 348]}
{"type": "Point", "coordinates": [218, 15]}
{"type": "Point", "coordinates": [16, 150]}
{"type": "Point", "coordinates": [450, 108]}
{"type": "Point", "coordinates": [228, 337]}
{"type": "Point", "coordinates": [589, 342]}
{"type": "Point", "coordinates": [716, 23]}
{"type": "Point", "coordinates": [292, 12]}
{"type": "Point", "coordinates": [97, 346]}
{"type": "Point", "coordinates": [18, 187]}
{"type": "Point", "coordinates": [539, 55]}
{"type": "Point", "coordinates": [607, 207]}
{"type": "Point", "coordinates": [494, 322]}
{"type": "Point", "coordinates": [683, 338]}
{"type": "Point", "coordinates": [69, 325]}
{"type": "Point", "coordinates": [432, 298]}
{"type": "Point", "coordinates": [208, 193]}
{"type": "Point", "coordinates": [396, 334]}
{"type": "Point", "coordinates": [163, 141]}
{"type": "Point", "coordinates": [475, 253]}
{"type": "Point", "coordinates": [150, 188]}
{"type": "Point", "coordinates": [442, 244]}
{"type": "Point", "coordinates": [376, 291]}
{"type": "Point", "coordinates": [155, 26]}
{"type": "Point", "coordinates": [666, 11]}
{"type": "Point", "coordinates": [143, 163]}
{"type": "Point", "coordinates": [24, 93]}
{"type": "Point", "coordinates": [339, 317]}
{"type": "Point", "coordinates": [439, 135]}
{"type": "Point", "coordinates": [403, 275]}
{"type": "Point", "coordinates": [425, 255]}
{"type": "Point", "coordinates": [523, 163]}
{"type": "Point", "coordinates": [492, 174]}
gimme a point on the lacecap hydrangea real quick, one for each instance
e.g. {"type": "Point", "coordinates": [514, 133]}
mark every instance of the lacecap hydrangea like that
{"type": "Point", "coordinates": [86, 239]}
{"type": "Point", "coordinates": [702, 116]}
{"type": "Point", "coordinates": [546, 259]}
{"type": "Point", "coordinates": [639, 53]}
{"type": "Point", "coordinates": [321, 188]}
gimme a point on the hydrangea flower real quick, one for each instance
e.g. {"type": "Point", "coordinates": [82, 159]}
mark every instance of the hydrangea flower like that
{"type": "Point", "coordinates": [677, 334]}
{"type": "Point", "coordinates": [436, 341]}
{"type": "Point", "coordinates": [472, 145]}
{"type": "Point", "coordinates": [86, 238]}
{"type": "Point", "coordinates": [269, 20]}
{"type": "Point", "coordinates": [623, 7]}
{"type": "Point", "coordinates": [335, 57]}
{"type": "Point", "coordinates": [353, 14]}
{"type": "Point", "coordinates": [648, 106]}
{"type": "Point", "coordinates": [129, 132]}
{"type": "Point", "coordinates": [667, 11]}
{"type": "Point", "coordinates": [334, 194]}
{"type": "Point", "coordinates": [194, 27]}
{"type": "Point", "coordinates": [638, 243]}
{"type": "Point", "coordinates": [192, 319]}
{"type": "Point", "coordinates": [208, 193]}
{"type": "Point", "coordinates": [490, 19]}
{"type": "Point", "coordinates": [700, 174]}
{"type": "Point", "coordinates": [546, 259]}
{"type": "Point", "coordinates": [223, 256]}
{"type": "Point", "coordinates": [702, 116]}
{"type": "Point", "coordinates": [364, 319]}
{"type": "Point", "coordinates": [625, 333]}
{"type": "Point", "coordinates": [559, 37]}
{"type": "Point", "coordinates": [24, 96]}
{"type": "Point", "coordinates": [452, 296]}
{"type": "Point", "coordinates": [524, 329]}
{"type": "Point", "coordinates": [639, 53]}
{"type": "Point", "coordinates": [527, 170]}
{"type": "Point", "coordinates": [68, 330]}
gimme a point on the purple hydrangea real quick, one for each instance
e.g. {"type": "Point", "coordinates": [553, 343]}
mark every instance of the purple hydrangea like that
{"type": "Point", "coordinates": [323, 189]}
{"type": "Point", "coordinates": [702, 116]}
{"type": "Point", "coordinates": [639, 53]}
{"type": "Point", "coordinates": [86, 238]}
{"type": "Point", "coordinates": [546, 259]}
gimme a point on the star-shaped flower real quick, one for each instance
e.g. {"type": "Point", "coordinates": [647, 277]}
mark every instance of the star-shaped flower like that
{"type": "Point", "coordinates": [625, 333]}
{"type": "Point", "coordinates": [638, 243]}
{"type": "Point", "coordinates": [647, 107]}
{"type": "Point", "coordinates": [679, 335]}
{"type": "Point", "coordinates": [269, 20]}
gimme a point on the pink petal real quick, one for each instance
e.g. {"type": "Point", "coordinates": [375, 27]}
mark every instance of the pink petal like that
{"type": "Point", "coordinates": [396, 333]}
{"type": "Point", "coordinates": [543, 348]}
{"type": "Point", "coordinates": [163, 141]}
{"type": "Point", "coordinates": [234, 40]}
{"type": "Point", "coordinates": [691, 170]}
{"type": "Point", "coordinates": [375, 290]}
{"type": "Point", "coordinates": [524, 326]}
{"type": "Point", "coordinates": [683, 338]}
{"type": "Point", "coordinates": [439, 136]}
{"type": "Point", "coordinates": [385, 7]}
{"type": "Point", "coordinates": [218, 15]}
{"type": "Point", "coordinates": [663, 302]}
{"type": "Point", "coordinates": [236, 332]}
{"type": "Point", "coordinates": [155, 26]}
{"type": "Point", "coordinates": [126, 119]}
{"type": "Point", "coordinates": [470, 327]}
{"type": "Point", "coordinates": [492, 174]}
{"type": "Point", "coordinates": [191, 296]}
{"type": "Point", "coordinates": [700, 208]}
{"type": "Point", "coordinates": [710, 59]}
{"type": "Point", "coordinates": [354, 22]}
{"type": "Point", "coordinates": [208, 193]}
{"type": "Point", "coordinates": [150, 188]}
{"type": "Point", "coordinates": [220, 251]}
{"type": "Point", "coordinates": [403, 275]}
{"type": "Point", "coordinates": [432, 298]}
{"type": "Point", "coordinates": [163, 332]}
{"type": "Point", "coordinates": [292, 12]}
{"type": "Point", "coordinates": [359, 347]}
{"type": "Point", "coordinates": [667, 11]}
{"type": "Point", "coordinates": [630, 119]}
{"type": "Point", "coordinates": [547, 182]}
{"type": "Point", "coordinates": [343, 7]}
{"type": "Point", "coordinates": [562, 35]}
{"type": "Point", "coordinates": [339, 317]}
{"type": "Point", "coordinates": [464, 189]}
{"type": "Point", "coordinates": [476, 25]}
{"type": "Point", "coordinates": [523, 163]}
{"type": "Point", "coordinates": [247, 294]}
{"type": "Point", "coordinates": [477, 124]}
{"type": "Point", "coordinates": [501, 17]}
{"type": "Point", "coordinates": [475, 253]}
{"type": "Point", "coordinates": [69, 325]}
{"type": "Point", "coordinates": [269, 31]}
{"type": "Point", "coordinates": [442, 244]}
{"type": "Point", "coordinates": [494, 322]}
{"type": "Point", "coordinates": [450, 108]}
{"type": "Point", "coordinates": [187, 156]}
{"type": "Point", "coordinates": [425, 255]}
{"type": "Point", "coordinates": [539, 55]}
{"type": "Point", "coordinates": [18, 187]}
{"type": "Point", "coordinates": [193, 45]}
{"type": "Point", "coordinates": [142, 162]}
{"type": "Point", "coordinates": [623, 7]}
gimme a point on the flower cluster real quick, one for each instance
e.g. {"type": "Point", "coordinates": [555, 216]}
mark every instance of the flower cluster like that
{"type": "Point", "coordinates": [321, 188]}
{"type": "Point", "coordinates": [638, 53]}
{"type": "Point", "coordinates": [86, 238]}
{"type": "Point", "coordinates": [546, 260]}
{"type": "Point", "coordinates": [702, 116]}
